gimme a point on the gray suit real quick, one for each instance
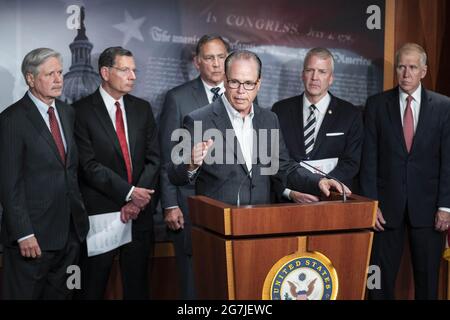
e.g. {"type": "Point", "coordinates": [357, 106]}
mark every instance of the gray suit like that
{"type": "Point", "coordinates": [179, 102]}
{"type": "Point", "coordinates": [222, 181]}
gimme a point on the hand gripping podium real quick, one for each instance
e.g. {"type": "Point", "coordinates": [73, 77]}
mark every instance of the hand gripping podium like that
{"type": "Point", "coordinates": [263, 251]}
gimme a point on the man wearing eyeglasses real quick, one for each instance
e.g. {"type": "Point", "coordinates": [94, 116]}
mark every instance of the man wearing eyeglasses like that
{"type": "Point", "coordinates": [119, 158]}
{"type": "Point", "coordinates": [210, 54]}
{"type": "Point", "coordinates": [242, 175]}
{"type": "Point", "coordinates": [320, 126]}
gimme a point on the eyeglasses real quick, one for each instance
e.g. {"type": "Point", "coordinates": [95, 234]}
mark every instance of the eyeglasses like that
{"type": "Point", "coordinates": [248, 85]}
{"type": "Point", "coordinates": [126, 70]}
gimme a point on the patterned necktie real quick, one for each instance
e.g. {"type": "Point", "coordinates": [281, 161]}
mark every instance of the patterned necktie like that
{"type": "Point", "coordinates": [216, 93]}
{"type": "Point", "coordinates": [120, 130]}
{"type": "Point", "coordinates": [56, 133]}
{"type": "Point", "coordinates": [408, 124]}
{"type": "Point", "coordinates": [308, 131]}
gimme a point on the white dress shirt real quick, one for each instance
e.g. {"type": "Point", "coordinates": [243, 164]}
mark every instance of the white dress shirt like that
{"type": "Point", "coordinates": [110, 104]}
{"type": "Point", "coordinates": [243, 128]}
{"type": "Point", "coordinates": [43, 110]}
{"type": "Point", "coordinates": [319, 112]}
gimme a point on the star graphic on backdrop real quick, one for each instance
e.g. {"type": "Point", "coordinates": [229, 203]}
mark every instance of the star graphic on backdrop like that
{"type": "Point", "coordinates": [130, 28]}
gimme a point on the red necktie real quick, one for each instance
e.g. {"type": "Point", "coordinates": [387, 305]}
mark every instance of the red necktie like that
{"type": "Point", "coordinates": [408, 124]}
{"type": "Point", "coordinates": [120, 130]}
{"type": "Point", "coordinates": [56, 133]}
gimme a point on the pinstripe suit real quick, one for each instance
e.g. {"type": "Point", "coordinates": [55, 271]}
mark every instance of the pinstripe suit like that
{"type": "Point", "coordinates": [40, 194]}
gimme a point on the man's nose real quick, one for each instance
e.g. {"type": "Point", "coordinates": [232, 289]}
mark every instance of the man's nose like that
{"type": "Point", "coordinates": [59, 77]}
{"type": "Point", "coordinates": [241, 88]}
{"type": "Point", "coordinates": [216, 62]}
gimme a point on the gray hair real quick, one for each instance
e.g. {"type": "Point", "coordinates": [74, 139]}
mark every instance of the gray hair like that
{"type": "Point", "coordinates": [33, 60]}
{"type": "Point", "coordinates": [411, 47]}
{"type": "Point", "coordinates": [322, 53]}
{"type": "Point", "coordinates": [242, 55]}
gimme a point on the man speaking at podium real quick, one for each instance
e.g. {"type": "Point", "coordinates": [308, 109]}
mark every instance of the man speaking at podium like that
{"type": "Point", "coordinates": [258, 156]}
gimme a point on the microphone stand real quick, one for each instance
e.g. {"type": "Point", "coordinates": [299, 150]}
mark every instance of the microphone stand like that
{"type": "Point", "coordinates": [326, 175]}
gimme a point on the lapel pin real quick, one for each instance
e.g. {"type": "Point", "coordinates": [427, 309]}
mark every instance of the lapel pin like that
{"type": "Point", "coordinates": [330, 112]}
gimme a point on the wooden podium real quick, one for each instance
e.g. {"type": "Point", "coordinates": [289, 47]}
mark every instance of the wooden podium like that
{"type": "Point", "coordinates": [234, 248]}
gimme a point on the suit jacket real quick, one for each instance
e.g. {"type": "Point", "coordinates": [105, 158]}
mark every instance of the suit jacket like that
{"type": "Point", "coordinates": [341, 117]}
{"type": "Point", "coordinates": [179, 102]}
{"type": "Point", "coordinates": [103, 175]}
{"type": "Point", "coordinates": [39, 194]}
{"type": "Point", "coordinates": [222, 181]}
{"type": "Point", "coordinates": [418, 181]}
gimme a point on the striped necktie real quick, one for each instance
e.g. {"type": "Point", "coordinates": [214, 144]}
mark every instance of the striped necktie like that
{"type": "Point", "coordinates": [308, 131]}
{"type": "Point", "coordinates": [215, 91]}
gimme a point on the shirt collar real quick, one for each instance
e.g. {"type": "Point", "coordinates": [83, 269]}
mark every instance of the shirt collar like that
{"type": "Point", "coordinates": [417, 95]}
{"type": "Point", "coordinates": [321, 106]}
{"type": "Point", "coordinates": [108, 100]}
{"type": "Point", "coordinates": [232, 112]}
{"type": "Point", "coordinates": [43, 107]}
{"type": "Point", "coordinates": [208, 87]}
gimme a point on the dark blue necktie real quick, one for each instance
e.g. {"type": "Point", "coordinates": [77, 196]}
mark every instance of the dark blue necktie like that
{"type": "Point", "coordinates": [216, 93]}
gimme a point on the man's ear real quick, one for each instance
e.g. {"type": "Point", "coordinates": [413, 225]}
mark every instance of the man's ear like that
{"type": "Point", "coordinates": [196, 62]}
{"type": "Point", "coordinates": [424, 71]}
{"type": "Point", "coordinates": [104, 73]}
{"type": "Point", "coordinates": [30, 79]}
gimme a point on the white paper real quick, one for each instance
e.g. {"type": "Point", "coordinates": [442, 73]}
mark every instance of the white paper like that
{"type": "Point", "coordinates": [325, 165]}
{"type": "Point", "coordinates": [106, 233]}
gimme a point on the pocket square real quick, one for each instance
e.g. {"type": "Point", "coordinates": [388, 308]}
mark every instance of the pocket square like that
{"type": "Point", "coordinates": [334, 134]}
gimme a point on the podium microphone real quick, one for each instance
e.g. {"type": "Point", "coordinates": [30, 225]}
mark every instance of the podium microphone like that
{"type": "Point", "coordinates": [326, 175]}
{"type": "Point", "coordinates": [238, 201]}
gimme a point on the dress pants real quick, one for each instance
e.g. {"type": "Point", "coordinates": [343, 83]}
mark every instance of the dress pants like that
{"type": "Point", "coordinates": [426, 251]}
{"type": "Point", "coordinates": [39, 278]}
{"type": "Point", "coordinates": [134, 260]}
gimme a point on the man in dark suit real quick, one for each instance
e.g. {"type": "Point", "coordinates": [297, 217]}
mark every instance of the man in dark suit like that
{"type": "Point", "coordinates": [210, 55]}
{"type": "Point", "coordinates": [317, 125]}
{"type": "Point", "coordinates": [119, 157]}
{"type": "Point", "coordinates": [238, 167]}
{"type": "Point", "coordinates": [44, 220]}
{"type": "Point", "coordinates": [406, 167]}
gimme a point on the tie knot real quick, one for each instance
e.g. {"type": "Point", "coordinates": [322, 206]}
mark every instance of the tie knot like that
{"type": "Point", "coordinates": [409, 98]}
{"type": "Point", "coordinates": [50, 109]}
{"type": "Point", "coordinates": [117, 104]}
{"type": "Point", "coordinates": [215, 90]}
{"type": "Point", "coordinates": [312, 108]}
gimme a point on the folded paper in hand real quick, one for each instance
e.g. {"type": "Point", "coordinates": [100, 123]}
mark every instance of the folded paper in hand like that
{"type": "Point", "coordinates": [107, 233]}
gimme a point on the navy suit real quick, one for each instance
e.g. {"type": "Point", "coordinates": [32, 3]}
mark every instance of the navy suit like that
{"type": "Point", "coordinates": [342, 118]}
{"type": "Point", "coordinates": [40, 196]}
{"type": "Point", "coordinates": [410, 187]}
